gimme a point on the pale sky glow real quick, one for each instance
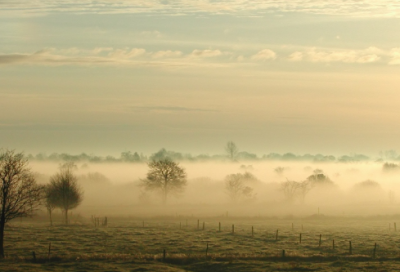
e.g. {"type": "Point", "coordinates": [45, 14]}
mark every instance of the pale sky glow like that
{"type": "Point", "coordinates": [274, 76]}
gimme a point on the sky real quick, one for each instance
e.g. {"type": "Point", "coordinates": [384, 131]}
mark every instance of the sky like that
{"type": "Point", "coordinates": [108, 76]}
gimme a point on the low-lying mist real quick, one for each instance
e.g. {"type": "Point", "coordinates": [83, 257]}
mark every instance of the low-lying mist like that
{"type": "Point", "coordinates": [353, 189]}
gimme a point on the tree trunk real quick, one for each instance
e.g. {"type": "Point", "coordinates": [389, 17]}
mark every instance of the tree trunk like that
{"type": "Point", "coordinates": [165, 192]}
{"type": "Point", "coordinates": [2, 238]}
{"type": "Point", "coordinates": [2, 223]}
{"type": "Point", "coordinates": [165, 197]}
{"type": "Point", "coordinates": [66, 216]}
{"type": "Point", "coordinates": [51, 218]}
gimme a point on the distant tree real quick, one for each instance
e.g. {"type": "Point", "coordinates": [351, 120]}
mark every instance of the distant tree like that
{"type": "Point", "coordinates": [64, 189]}
{"type": "Point", "coordinates": [129, 157]}
{"type": "Point", "coordinates": [20, 196]}
{"type": "Point", "coordinates": [237, 187]}
{"type": "Point", "coordinates": [294, 189]}
{"type": "Point", "coordinates": [390, 167]}
{"type": "Point", "coordinates": [290, 189]}
{"type": "Point", "coordinates": [93, 178]}
{"type": "Point", "coordinates": [166, 176]}
{"type": "Point", "coordinates": [279, 170]}
{"type": "Point", "coordinates": [318, 178]}
{"type": "Point", "coordinates": [368, 184]}
{"type": "Point", "coordinates": [304, 187]}
{"type": "Point", "coordinates": [231, 150]}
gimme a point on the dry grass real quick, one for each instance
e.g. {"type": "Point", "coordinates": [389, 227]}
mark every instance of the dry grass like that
{"type": "Point", "coordinates": [126, 241]}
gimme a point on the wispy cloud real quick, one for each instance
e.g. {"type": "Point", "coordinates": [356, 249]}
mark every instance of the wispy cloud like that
{"type": "Point", "coordinates": [199, 57]}
{"type": "Point", "coordinates": [264, 55]}
{"type": "Point", "coordinates": [167, 54]}
{"type": "Point", "coordinates": [381, 8]}
{"type": "Point", "coordinates": [368, 55]}
{"type": "Point", "coordinates": [207, 53]}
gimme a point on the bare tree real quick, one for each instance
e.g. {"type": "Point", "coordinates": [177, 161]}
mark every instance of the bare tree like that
{"type": "Point", "coordinates": [304, 187]}
{"type": "Point", "coordinates": [166, 176]}
{"type": "Point", "coordinates": [20, 196]}
{"type": "Point", "coordinates": [237, 188]}
{"type": "Point", "coordinates": [290, 189]}
{"type": "Point", "coordinates": [64, 189]}
{"type": "Point", "coordinates": [231, 150]}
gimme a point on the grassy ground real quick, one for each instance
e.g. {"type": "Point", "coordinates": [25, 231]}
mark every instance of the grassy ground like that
{"type": "Point", "coordinates": [125, 245]}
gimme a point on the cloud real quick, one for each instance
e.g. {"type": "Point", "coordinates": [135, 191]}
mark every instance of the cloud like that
{"type": "Point", "coordinates": [368, 55]}
{"type": "Point", "coordinates": [265, 54]}
{"type": "Point", "coordinates": [395, 56]}
{"type": "Point", "coordinates": [296, 56]}
{"type": "Point", "coordinates": [207, 53]}
{"type": "Point", "coordinates": [127, 53]}
{"type": "Point", "coordinates": [110, 56]}
{"type": "Point", "coordinates": [167, 54]}
{"type": "Point", "coordinates": [215, 58]}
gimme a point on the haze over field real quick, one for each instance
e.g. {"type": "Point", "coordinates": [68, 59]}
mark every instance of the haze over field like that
{"type": "Point", "coordinates": [115, 189]}
{"type": "Point", "coordinates": [275, 76]}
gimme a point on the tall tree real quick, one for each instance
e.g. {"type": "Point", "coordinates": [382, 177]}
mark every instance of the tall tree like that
{"type": "Point", "coordinates": [64, 189]}
{"type": "Point", "coordinates": [20, 195]}
{"type": "Point", "coordinates": [231, 150]}
{"type": "Point", "coordinates": [166, 176]}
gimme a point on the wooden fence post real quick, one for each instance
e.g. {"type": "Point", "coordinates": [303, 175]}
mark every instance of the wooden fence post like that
{"type": "Point", "coordinates": [48, 256]}
{"type": "Point", "coordinates": [350, 248]}
{"type": "Point", "coordinates": [300, 238]}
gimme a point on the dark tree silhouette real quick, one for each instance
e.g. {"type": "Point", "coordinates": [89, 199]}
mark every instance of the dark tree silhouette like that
{"type": "Point", "coordinates": [20, 196]}
{"type": "Point", "coordinates": [64, 192]}
{"type": "Point", "coordinates": [231, 150]}
{"type": "Point", "coordinates": [166, 176]}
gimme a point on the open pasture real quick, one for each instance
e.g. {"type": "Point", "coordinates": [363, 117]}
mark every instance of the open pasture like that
{"type": "Point", "coordinates": [130, 243]}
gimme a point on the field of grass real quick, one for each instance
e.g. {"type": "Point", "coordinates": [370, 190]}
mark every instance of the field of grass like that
{"type": "Point", "coordinates": [126, 245]}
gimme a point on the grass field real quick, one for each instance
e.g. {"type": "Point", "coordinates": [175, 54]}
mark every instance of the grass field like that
{"type": "Point", "coordinates": [126, 245]}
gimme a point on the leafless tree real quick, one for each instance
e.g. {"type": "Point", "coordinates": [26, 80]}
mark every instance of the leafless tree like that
{"type": "Point", "coordinates": [64, 189]}
{"type": "Point", "coordinates": [231, 150]}
{"type": "Point", "coordinates": [20, 195]}
{"type": "Point", "coordinates": [237, 188]}
{"type": "Point", "coordinates": [290, 189]}
{"type": "Point", "coordinates": [304, 187]}
{"type": "Point", "coordinates": [166, 176]}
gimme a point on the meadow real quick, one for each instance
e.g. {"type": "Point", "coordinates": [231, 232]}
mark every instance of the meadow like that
{"type": "Point", "coordinates": [197, 244]}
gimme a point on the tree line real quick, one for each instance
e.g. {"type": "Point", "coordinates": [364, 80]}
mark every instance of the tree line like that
{"type": "Point", "coordinates": [232, 153]}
